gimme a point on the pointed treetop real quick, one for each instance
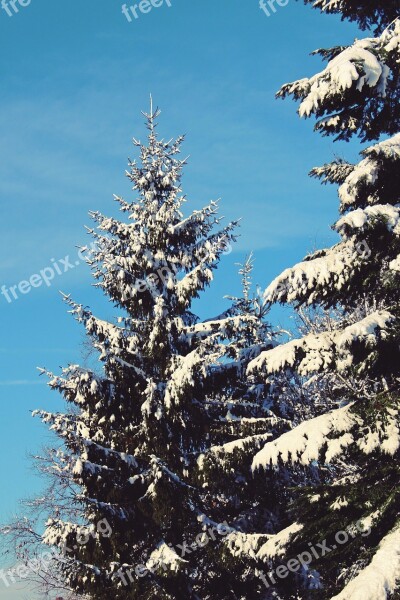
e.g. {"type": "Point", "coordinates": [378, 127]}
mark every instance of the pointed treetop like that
{"type": "Point", "coordinates": [151, 116]}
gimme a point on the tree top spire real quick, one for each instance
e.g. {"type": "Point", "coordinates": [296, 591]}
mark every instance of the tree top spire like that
{"type": "Point", "coordinates": [152, 116]}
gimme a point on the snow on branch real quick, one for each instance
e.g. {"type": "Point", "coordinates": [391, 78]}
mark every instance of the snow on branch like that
{"type": "Point", "coordinates": [354, 79]}
{"type": "Point", "coordinates": [328, 435]}
{"type": "Point", "coordinates": [249, 443]}
{"type": "Point", "coordinates": [318, 352]}
{"type": "Point", "coordinates": [225, 327]}
{"type": "Point", "coordinates": [394, 265]}
{"type": "Point", "coordinates": [276, 544]}
{"type": "Point", "coordinates": [334, 172]}
{"type": "Point", "coordinates": [356, 66]}
{"type": "Point", "coordinates": [261, 546]}
{"type": "Point", "coordinates": [315, 277]}
{"type": "Point", "coordinates": [366, 182]}
{"type": "Point", "coordinates": [360, 219]}
{"type": "Point", "coordinates": [380, 577]}
{"type": "Point", "coordinates": [304, 443]}
{"type": "Point", "coordinates": [165, 558]}
{"type": "Point", "coordinates": [244, 544]}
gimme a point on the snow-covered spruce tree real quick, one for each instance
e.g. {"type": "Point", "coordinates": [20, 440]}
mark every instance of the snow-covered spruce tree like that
{"type": "Point", "coordinates": [355, 447]}
{"type": "Point", "coordinates": [170, 388]}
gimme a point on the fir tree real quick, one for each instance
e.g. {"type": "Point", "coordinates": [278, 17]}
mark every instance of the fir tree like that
{"type": "Point", "coordinates": [134, 509]}
{"type": "Point", "coordinates": [355, 446]}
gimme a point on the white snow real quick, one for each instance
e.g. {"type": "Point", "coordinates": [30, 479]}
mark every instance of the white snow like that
{"type": "Point", "coordinates": [276, 544]}
{"type": "Point", "coordinates": [360, 65]}
{"type": "Point", "coordinates": [239, 444]}
{"type": "Point", "coordinates": [314, 498]}
{"type": "Point", "coordinates": [367, 522]}
{"type": "Point", "coordinates": [394, 265]}
{"type": "Point", "coordinates": [385, 436]}
{"type": "Point", "coordinates": [332, 430]}
{"type": "Point", "coordinates": [165, 557]}
{"type": "Point", "coordinates": [244, 544]}
{"type": "Point", "coordinates": [360, 218]}
{"type": "Point", "coordinates": [365, 173]}
{"type": "Point", "coordinates": [341, 73]}
{"type": "Point", "coordinates": [304, 443]}
{"type": "Point", "coordinates": [379, 578]}
{"type": "Point", "coordinates": [339, 503]}
{"type": "Point", "coordinates": [318, 352]}
{"type": "Point", "coordinates": [315, 278]}
{"type": "Point", "coordinates": [260, 546]}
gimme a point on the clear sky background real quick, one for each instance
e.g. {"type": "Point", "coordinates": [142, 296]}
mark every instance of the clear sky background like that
{"type": "Point", "coordinates": [75, 76]}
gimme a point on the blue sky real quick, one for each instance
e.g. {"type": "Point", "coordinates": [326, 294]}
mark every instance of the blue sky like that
{"type": "Point", "coordinates": [75, 77]}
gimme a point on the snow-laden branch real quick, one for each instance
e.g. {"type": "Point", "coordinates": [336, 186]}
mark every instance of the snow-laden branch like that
{"type": "Point", "coordinates": [331, 433]}
{"type": "Point", "coordinates": [371, 176]}
{"type": "Point", "coordinates": [360, 219]}
{"type": "Point", "coordinates": [315, 278]}
{"type": "Point", "coordinates": [261, 546]}
{"type": "Point", "coordinates": [381, 576]}
{"type": "Point", "coordinates": [353, 92]}
{"type": "Point", "coordinates": [318, 352]}
{"type": "Point", "coordinates": [304, 443]}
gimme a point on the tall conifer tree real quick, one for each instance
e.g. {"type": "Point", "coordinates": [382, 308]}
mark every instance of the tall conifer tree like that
{"type": "Point", "coordinates": [171, 387]}
{"type": "Point", "coordinates": [355, 447]}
